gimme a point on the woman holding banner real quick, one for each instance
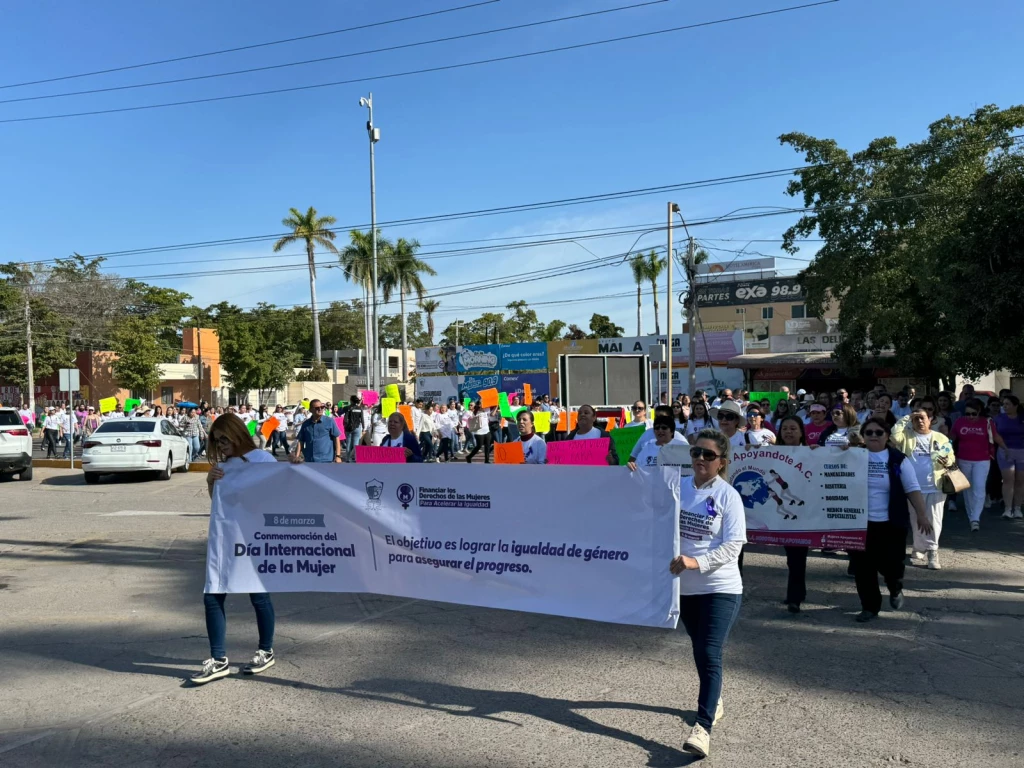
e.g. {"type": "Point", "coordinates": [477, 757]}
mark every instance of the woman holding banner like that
{"type": "Point", "coordinates": [586, 417]}
{"type": "Point", "coordinates": [535, 450]}
{"type": "Point", "coordinates": [791, 433]}
{"type": "Point", "coordinates": [400, 437]}
{"type": "Point", "coordinates": [229, 449]}
{"type": "Point", "coordinates": [712, 531]}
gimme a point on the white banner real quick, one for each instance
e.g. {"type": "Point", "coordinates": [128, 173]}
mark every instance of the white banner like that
{"type": "Point", "coordinates": [439, 389]}
{"type": "Point", "coordinates": [803, 497]}
{"type": "Point", "coordinates": [596, 544]}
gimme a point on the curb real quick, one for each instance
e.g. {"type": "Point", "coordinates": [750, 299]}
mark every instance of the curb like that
{"type": "Point", "coordinates": [66, 464]}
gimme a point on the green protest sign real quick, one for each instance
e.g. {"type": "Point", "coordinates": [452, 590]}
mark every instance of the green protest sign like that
{"type": "Point", "coordinates": [772, 397]}
{"type": "Point", "coordinates": [624, 440]}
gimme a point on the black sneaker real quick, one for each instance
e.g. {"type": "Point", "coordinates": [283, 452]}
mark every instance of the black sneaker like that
{"type": "Point", "coordinates": [896, 601]}
{"type": "Point", "coordinates": [865, 616]}
{"type": "Point", "coordinates": [261, 661]}
{"type": "Point", "coordinates": [793, 607]}
{"type": "Point", "coordinates": [213, 669]}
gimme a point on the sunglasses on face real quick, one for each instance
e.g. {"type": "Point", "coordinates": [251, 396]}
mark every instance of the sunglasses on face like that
{"type": "Point", "coordinates": [704, 453]}
{"type": "Point", "coordinates": [319, 408]}
{"type": "Point", "coordinates": [970, 413]}
{"type": "Point", "coordinates": [874, 433]}
{"type": "Point", "coordinates": [727, 417]}
{"type": "Point", "coordinates": [662, 426]}
{"type": "Point", "coordinates": [638, 407]}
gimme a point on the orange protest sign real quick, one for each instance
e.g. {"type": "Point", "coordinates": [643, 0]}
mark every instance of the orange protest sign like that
{"type": "Point", "coordinates": [527, 394]}
{"type": "Point", "coordinates": [488, 398]}
{"type": "Point", "coordinates": [406, 411]}
{"type": "Point", "coordinates": [572, 421]}
{"type": "Point", "coordinates": [563, 422]}
{"type": "Point", "coordinates": [268, 428]}
{"type": "Point", "coordinates": [509, 453]}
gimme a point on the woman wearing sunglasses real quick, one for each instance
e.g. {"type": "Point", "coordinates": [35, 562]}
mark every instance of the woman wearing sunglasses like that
{"type": "Point", "coordinates": [756, 433]}
{"type": "Point", "coordinates": [892, 490]}
{"type": "Point", "coordinates": [844, 430]}
{"type": "Point", "coordinates": [664, 433]}
{"type": "Point", "coordinates": [229, 449]}
{"type": "Point", "coordinates": [712, 532]}
{"type": "Point", "coordinates": [974, 442]}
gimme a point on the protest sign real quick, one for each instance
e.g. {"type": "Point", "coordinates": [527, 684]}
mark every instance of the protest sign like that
{"type": "Point", "coordinates": [305, 404]}
{"type": "Point", "coordinates": [467, 403]}
{"type": "Point", "coordinates": [387, 406]}
{"type": "Point", "coordinates": [251, 426]}
{"type": "Point", "coordinates": [108, 404]}
{"type": "Point", "coordinates": [488, 397]}
{"type": "Point", "coordinates": [624, 439]}
{"type": "Point", "coordinates": [593, 453]}
{"type": "Point", "coordinates": [340, 421]}
{"type": "Point", "coordinates": [391, 390]}
{"type": "Point", "coordinates": [406, 411]}
{"type": "Point", "coordinates": [594, 545]}
{"type": "Point", "coordinates": [803, 497]}
{"type": "Point", "coordinates": [368, 397]}
{"type": "Point", "coordinates": [503, 406]}
{"type": "Point", "coordinates": [268, 427]}
{"type": "Point", "coordinates": [509, 453]}
{"type": "Point", "coordinates": [379, 454]}
{"type": "Point", "coordinates": [542, 422]}
{"type": "Point", "coordinates": [527, 394]}
{"type": "Point", "coordinates": [772, 397]}
{"type": "Point", "coordinates": [131, 404]}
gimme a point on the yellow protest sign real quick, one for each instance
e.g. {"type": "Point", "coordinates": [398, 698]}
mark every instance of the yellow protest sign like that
{"type": "Point", "coordinates": [391, 390]}
{"type": "Point", "coordinates": [542, 422]}
{"type": "Point", "coordinates": [108, 404]}
{"type": "Point", "coordinates": [305, 404]}
{"type": "Point", "coordinates": [387, 406]}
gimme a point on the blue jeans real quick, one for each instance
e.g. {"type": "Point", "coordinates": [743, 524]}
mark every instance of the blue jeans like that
{"type": "Point", "coordinates": [217, 623]}
{"type": "Point", "coordinates": [708, 620]}
{"type": "Point", "coordinates": [194, 447]}
{"type": "Point", "coordinates": [351, 441]}
{"type": "Point", "coordinates": [279, 439]}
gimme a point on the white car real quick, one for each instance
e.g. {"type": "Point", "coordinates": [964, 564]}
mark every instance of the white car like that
{"type": "Point", "coordinates": [135, 445]}
{"type": "Point", "coordinates": [15, 445]}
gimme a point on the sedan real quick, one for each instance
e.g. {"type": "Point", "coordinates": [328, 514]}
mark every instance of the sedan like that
{"type": "Point", "coordinates": [135, 445]}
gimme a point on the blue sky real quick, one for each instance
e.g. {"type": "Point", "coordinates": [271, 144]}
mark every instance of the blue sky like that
{"type": "Point", "coordinates": [690, 105]}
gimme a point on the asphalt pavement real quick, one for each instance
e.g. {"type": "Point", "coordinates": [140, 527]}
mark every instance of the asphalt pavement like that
{"type": "Point", "coordinates": [102, 622]}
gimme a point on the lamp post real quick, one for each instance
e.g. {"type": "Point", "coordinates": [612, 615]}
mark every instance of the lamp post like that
{"type": "Point", "coordinates": [373, 353]}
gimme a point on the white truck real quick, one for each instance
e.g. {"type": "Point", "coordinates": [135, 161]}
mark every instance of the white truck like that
{"type": "Point", "coordinates": [15, 445]}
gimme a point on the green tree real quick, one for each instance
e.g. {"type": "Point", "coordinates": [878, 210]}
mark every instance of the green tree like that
{"type": "Point", "coordinates": [602, 327]}
{"type": "Point", "coordinates": [552, 331]}
{"type": "Point", "coordinates": [574, 332]}
{"type": "Point", "coordinates": [343, 325]}
{"type": "Point", "coordinates": [522, 325]}
{"type": "Point", "coordinates": [429, 306]}
{"type": "Point", "coordinates": [639, 266]}
{"type": "Point", "coordinates": [318, 372]}
{"type": "Point", "coordinates": [311, 229]}
{"type": "Point", "coordinates": [401, 275]}
{"type": "Point", "coordinates": [253, 355]}
{"type": "Point", "coordinates": [138, 354]}
{"type": "Point", "coordinates": [391, 331]}
{"type": "Point", "coordinates": [889, 217]}
{"type": "Point", "coordinates": [655, 266]}
{"type": "Point", "coordinates": [356, 260]}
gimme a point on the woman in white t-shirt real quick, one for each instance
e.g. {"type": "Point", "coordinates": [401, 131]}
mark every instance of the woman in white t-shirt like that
{"type": "Point", "coordinates": [756, 433]}
{"type": "Point", "coordinates": [229, 449]}
{"type": "Point", "coordinates": [664, 433]}
{"type": "Point", "coordinates": [712, 532]}
{"type": "Point", "coordinates": [479, 425]}
{"type": "Point", "coordinates": [699, 419]}
{"type": "Point", "coordinates": [535, 450]}
{"type": "Point", "coordinates": [586, 418]}
{"type": "Point", "coordinates": [892, 483]}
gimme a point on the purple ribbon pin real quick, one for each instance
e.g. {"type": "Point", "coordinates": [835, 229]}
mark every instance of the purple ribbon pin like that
{"type": "Point", "coordinates": [710, 506]}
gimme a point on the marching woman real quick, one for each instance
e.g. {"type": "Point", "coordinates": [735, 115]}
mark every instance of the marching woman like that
{"type": "Point", "coordinates": [664, 433]}
{"type": "Point", "coordinates": [1010, 424]}
{"type": "Point", "coordinates": [230, 448]}
{"type": "Point", "coordinates": [892, 483]}
{"type": "Point", "coordinates": [712, 531]}
{"type": "Point", "coordinates": [479, 426]}
{"type": "Point", "coordinates": [791, 433]}
{"type": "Point", "coordinates": [974, 442]}
{"type": "Point", "coordinates": [535, 450]}
{"type": "Point", "coordinates": [399, 437]}
{"type": "Point", "coordinates": [699, 420]}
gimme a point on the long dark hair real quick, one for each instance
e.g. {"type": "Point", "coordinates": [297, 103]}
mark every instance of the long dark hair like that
{"type": "Point", "coordinates": [796, 420]}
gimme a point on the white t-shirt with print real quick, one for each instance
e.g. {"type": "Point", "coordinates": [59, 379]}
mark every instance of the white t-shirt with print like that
{"type": "Point", "coordinates": [648, 454]}
{"type": "Point", "coordinates": [761, 437]}
{"type": "Point", "coordinates": [923, 467]}
{"type": "Point", "coordinates": [878, 484]}
{"type": "Point", "coordinates": [708, 518]}
{"type": "Point", "coordinates": [535, 450]}
{"type": "Point", "coordinates": [593, 434]}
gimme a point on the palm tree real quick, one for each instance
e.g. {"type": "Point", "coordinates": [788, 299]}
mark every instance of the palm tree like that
{"type": "Point", "coordinates": [638, 263]}
{"type": "Point", "coordinates": [402, 274]}
{"type": "Point", "coordinates": [430, 307]}
{"type": "Point", "coordinates": [313, 230]}
{"type": "Point", "coordinates": [655, 266]}
{"type": "Point", "coordinates": [357, 261]}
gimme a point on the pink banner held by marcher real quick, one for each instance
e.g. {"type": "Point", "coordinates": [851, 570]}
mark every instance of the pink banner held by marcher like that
{"type": "Point", "coordinates": [378, 454]}
{"type": "Point", "coordinates": [589, 453]}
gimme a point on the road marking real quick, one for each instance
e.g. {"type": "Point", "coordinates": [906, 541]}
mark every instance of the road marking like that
{"type": "Point", "coordinates": [137, 513]}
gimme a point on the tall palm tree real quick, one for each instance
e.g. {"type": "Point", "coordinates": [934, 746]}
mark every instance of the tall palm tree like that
{"type": "Point", "coordinates": [638, 263]}
{"type": "Point", "coordinates": [313, 230]}
{"type": "Point", "coordinates": [402, 274]}
{"type": "Point", "coordinates": [430, 307]}
{"type": "Point", "coordinates": [357, 261]}
{"type": "Point", "coordinates": [655, 266]}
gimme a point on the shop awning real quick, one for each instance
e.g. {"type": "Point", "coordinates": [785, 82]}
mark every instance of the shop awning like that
{"type": "Point", "coordinates": [798, 360]}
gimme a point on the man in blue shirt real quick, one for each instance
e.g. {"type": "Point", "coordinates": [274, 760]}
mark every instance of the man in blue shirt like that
{"type": "Point", "coordinates": [318, 439]}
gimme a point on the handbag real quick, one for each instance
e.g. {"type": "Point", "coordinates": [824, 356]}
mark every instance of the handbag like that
{"type": "Point", "coordinates": [953, 480]}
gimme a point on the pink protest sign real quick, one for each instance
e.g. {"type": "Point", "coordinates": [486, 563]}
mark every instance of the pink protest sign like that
{"type": "Point", "coordinates": [378, 454]}
{"type": "Point", "coordinates": [369, 397]}
{"type": "Point", "coordinates": [341, 425]}
{"type": "Point", "coordinates": [589, 453]}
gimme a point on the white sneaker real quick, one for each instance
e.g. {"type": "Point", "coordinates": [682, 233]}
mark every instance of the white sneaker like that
{"type": "Point", "coordinates": [699, 743]}
{"type": "Point", "coordinates": [975, 526]}
{"type": "Point", "coordinates": [719, 712]}
{"type": "Point", "coordinates": [1007, 515]}
{"type": "Point", "coordinates": [213, 669]}
{"type": "Point", "coordinates": [933, 561]}
{"type": "Point", "coordinates": [1017, 514]}
{"type": "Point", "coordinates": [917, 558]}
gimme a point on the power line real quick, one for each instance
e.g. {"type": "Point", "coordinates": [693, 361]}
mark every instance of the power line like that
{"type": "Point", "coordinates": [248, 47]}
{"type": "Point", "coordinates": [320, 60]}
{"type": "Point", "coordinates": [422, 71]}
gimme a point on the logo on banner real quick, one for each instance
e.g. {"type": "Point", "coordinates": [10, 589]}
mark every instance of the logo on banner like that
{"type": "Point", "coordinates": [470, 358]}
{"type": "Point", "coordinates": [374, 489]}
{"type": "Point", "coordinates": [406, 493]}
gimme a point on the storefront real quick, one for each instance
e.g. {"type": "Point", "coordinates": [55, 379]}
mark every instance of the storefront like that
{"type": "Point", "coordinates": [813, 371]}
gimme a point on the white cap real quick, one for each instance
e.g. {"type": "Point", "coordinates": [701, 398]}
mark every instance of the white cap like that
{"type": "Point", "coordinates": [801, 392]}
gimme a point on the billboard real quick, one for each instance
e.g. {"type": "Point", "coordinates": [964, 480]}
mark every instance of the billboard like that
{"type": "Point", "coordinates": [523, 357]}
{"type": "Point", "coordinates": [716, 346]}
{"type": "Point", "coordinates": [432, 360]}
{"type": "Point", "coordinates": [713, 268]}
{"type": "Point", "coordinates": [805, 342]}
{"type": "Point", "coordinates": [713, 379]}
{"type": "Point", "coordinates": [470, 385]}
{"type": "Point", "coordinates": [569, 347]}
{"type": "Point", "coordinates": [540, 383]}
{"type": "Point", "coordinates": [478, 357]}
{"type": "Point", "coordinates": [438, 389]}
{"type": "Point", "coordinates": [770, 291]}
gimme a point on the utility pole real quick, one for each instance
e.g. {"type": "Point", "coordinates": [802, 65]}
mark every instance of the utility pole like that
{"type": "Point", "coordinates": [374, 134]}
{"type": "Point", "coordinates": [692, 313]}
{"type": "Point", "coordinates": [672, 208]}
{"type": "Point", "coordinates": [199, 356]}
{"type": "Point", "coordinates": [28, 357]}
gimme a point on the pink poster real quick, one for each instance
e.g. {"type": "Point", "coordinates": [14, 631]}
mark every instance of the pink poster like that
{"type": "Point", "coordinates": [588, 453]}
{"type": "Point", "coordinates": [341, 425]}
{"type": "Point", "coordinates": [369, 397]}
{"type": "Point", "coordinates": [378, 454]}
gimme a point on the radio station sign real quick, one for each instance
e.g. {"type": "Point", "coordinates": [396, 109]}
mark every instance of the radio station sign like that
{"type": "Point", "coordinates": [778, 290]}
{"type": "Point", "coordinates": [805, 342]}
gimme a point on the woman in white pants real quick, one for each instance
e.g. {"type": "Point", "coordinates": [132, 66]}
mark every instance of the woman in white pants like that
{"type": "Point", "coordinates": [930, 453]}
{"type": "Point", "coordinates": [974, 440]}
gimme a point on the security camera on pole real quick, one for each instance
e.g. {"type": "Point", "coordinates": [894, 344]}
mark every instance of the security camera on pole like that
{"type": "Point", "coordinates": [373, 353]}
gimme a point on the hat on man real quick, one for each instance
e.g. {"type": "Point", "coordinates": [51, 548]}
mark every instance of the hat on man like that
{"type": "Point", "coordinates": [730, 406]}
{"type": "Point", "coordinates": [801, 392]}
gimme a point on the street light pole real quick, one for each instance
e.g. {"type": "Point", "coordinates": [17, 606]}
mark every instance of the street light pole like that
{"type": "Point", "coordinates": [691, 277]}
{"type": "Point", "coordinates": [374, 135]}
{"type": "Point", "coordinates": [672, 208]}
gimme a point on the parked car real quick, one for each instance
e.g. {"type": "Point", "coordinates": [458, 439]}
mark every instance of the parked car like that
{"type": "Point", "coordinates": [150, 444]}
{"type": "Point", "coordinates": [15, 445]}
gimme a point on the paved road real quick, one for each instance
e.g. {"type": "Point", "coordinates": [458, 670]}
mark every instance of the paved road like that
{"type": "Point", "coordinates": [100, 598]}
